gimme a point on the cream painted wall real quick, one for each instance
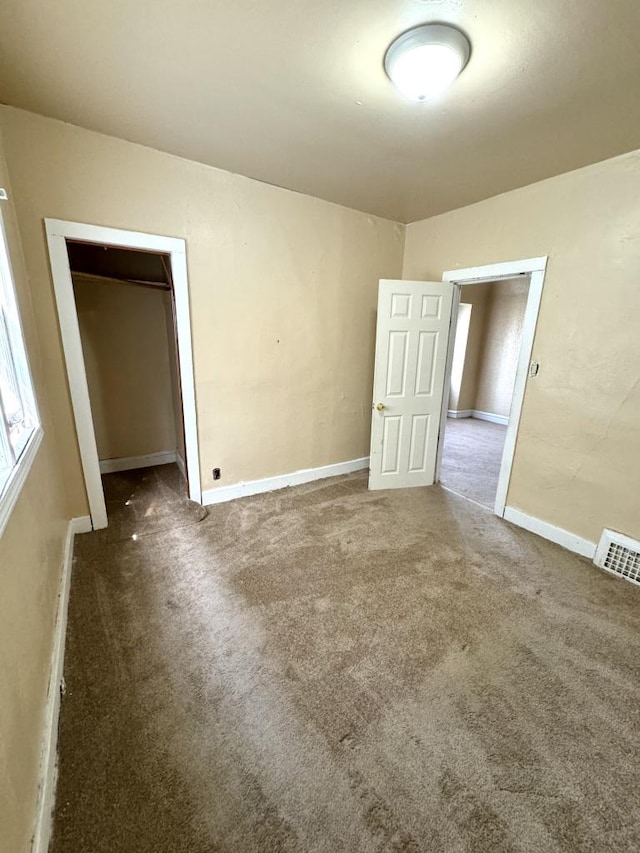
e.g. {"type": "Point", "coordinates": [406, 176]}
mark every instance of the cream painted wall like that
{"type": "Point", "coordinates": [506, 305]}
{"type": "Point", "coordinates": [31, 552]}
{"type": "Point", "coordinates": [174, 376]}
{"type": "Point", "coordinates": [123, 328]}
{"type": "Point", "coordinates": [577, 459]}
{"type": "Point", "coordinates": [283, 291]}
{"type": "Point", "coordinates": [475, 295]}
{"type": "Point", "coordinates": [493, 346]}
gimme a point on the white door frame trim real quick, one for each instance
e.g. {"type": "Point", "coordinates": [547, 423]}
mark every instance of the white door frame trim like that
{"type": "Point", "coordinates": [58, 232]}
{"type": "Point", "coordinates": [534, 268]}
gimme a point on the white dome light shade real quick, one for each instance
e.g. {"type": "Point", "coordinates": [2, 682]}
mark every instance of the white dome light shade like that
{"type": "Point", "coordinates": [425, 60]}
{"type": "Point", "coordinates": [424, 71]}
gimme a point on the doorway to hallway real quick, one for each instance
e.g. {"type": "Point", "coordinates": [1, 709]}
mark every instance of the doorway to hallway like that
{"type": "Point", "coordinates": [485, 358]}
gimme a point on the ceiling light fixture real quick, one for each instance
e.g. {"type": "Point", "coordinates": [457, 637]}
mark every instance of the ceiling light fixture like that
{"type": "Point", "coordinates": [425, 60]}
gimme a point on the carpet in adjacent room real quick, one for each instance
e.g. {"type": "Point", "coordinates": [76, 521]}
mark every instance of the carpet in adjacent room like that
{"type": "Point", "coordinates": [471, 458]}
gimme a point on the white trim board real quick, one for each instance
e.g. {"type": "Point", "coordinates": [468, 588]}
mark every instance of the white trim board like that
{"type": "Point", "coordinates": [180, 464]}
{"type": "Point", "coordinates": [282, 481]}
{"type": "Point", "coordinates": [18, 476]}
{"type": "Point", "coordinates": [48, 759]}
{"type": "Point", "coordinates": [58, 232]}
{"type": "Point", "coordinates": [493, 272]}
{"type": "Point", "coordinates": [128, 463]}
{"type": "Point", "coordinates": [466, 498]}
{"type": "Point", "coordinates": [568, 540]}
{"type": "Point", "coordinates": [459, 413]}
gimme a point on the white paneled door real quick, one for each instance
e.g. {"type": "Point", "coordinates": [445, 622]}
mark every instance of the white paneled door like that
{"type": "Point", "coordinates": [411, 354]}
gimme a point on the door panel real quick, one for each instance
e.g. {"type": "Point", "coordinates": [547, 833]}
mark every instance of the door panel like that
{"type": "Point", "coordinates": [397, 364]}
{"type": "Point", "coordinates": [392, 433]}
{"type": "Point", "coordinates": [419, 442]}
{"type": "Point", "coordinates": [427, 342]}
{"type": "Point", "coordinates": [411, 353]}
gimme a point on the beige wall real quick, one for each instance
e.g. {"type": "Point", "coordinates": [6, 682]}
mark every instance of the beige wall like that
{"type": "Point", "coordinates": [475, 295]}
{"type": "Point", "coordinates": [577, 460]}
{"type": "Point", "coordinates": [174, 376]}
{"type": "Point", "coordinates": [493, 346]}
{"type": "Point", "coordinates": [31, 551]}
{"type": "Point", "coordinates": [283, 291]}
{"type": "Point", "coordinates": [123, 328]}
{"type": "Point", "coordinates": [507, 301]}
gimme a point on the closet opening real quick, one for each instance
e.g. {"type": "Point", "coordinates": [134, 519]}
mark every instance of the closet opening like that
{"type": "Point", "coordinates": [123, 307]}
{"type": "Point", "coordinates": [126, 317]}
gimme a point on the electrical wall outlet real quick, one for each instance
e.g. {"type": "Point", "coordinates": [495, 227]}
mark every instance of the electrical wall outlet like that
{"type": "Point", "coordinates": [216, 474]}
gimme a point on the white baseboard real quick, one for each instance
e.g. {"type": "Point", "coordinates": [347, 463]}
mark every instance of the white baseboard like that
{"type": "Point", "coordinates": [554, 534]}
{"type": "Point", "coordinates": [81, 524]}
{"type": "Point", "coordinates": [476, 413]}
{"type": "Point", "coordinates": [181, 465]}
{"type": "Point", "coordinates": [48, 759]}
{"type": "Point", "coordinates": [489, 416]}
{"type": "Point", "coordinates": [128, 463]}
{"type": "Point", "coordinates": [271, 484]}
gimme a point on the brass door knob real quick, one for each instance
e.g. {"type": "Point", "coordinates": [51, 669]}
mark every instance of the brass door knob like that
{"type": "Point", "coordinates": [380, 406]}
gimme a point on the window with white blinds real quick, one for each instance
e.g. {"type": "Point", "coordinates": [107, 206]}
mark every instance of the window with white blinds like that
{"type": "Point", "coordinates": [19, 425]}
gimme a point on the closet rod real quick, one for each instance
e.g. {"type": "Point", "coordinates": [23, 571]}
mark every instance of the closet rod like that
{"type": "Point", "coordinates": [162, 285]}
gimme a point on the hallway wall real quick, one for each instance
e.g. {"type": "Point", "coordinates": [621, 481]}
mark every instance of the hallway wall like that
{"type": "Point", "coordinates": [501, 346]}
{"type": "Point", "coordinates": [475, 295]}
{"type": "Point", "coordinates": [493, 347]}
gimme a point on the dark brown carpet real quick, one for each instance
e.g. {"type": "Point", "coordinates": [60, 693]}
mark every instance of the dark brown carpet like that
{"type": "Point", "coordinates": [471, 458]}
{"type": "Point", "coordinates": [330, 669]}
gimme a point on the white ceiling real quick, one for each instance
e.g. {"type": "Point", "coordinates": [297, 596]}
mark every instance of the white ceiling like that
{"type": "Point", "coordinates": [293, 92]}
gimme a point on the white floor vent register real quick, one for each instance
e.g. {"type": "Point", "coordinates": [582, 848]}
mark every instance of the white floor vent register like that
{"type": "Point", "coordinates": [619, 555]}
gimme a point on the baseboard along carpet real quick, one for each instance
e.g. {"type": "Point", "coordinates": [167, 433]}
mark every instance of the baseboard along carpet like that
{"type": "Point", "coordinates": [330, 670]}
